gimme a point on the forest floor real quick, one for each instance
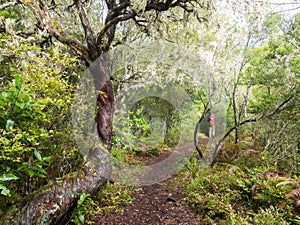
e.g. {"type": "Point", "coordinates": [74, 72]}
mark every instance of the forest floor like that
{"type": "Point", "coordinates": [160, 203]}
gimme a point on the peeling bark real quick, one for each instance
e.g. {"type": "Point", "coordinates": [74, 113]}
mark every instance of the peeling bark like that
{"type": "Point", "coordinates": [105, 104]}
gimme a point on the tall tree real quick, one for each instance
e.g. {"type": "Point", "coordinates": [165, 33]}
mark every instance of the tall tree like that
{"type": "Point", "coordinates": [97, 42]}
{"type": "Point", "coordinates": [76, 25]}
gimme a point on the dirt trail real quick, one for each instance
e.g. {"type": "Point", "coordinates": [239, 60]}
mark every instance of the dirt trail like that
{"type": "Point", "coordinates": [162, 203]}
{"type": "Point", "coordinates": [157, 204]}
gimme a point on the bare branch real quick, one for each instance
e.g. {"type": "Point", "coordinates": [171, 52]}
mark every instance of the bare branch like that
{"type": "Point", "coordinates": [278, 109]}
{"type": "Point", "coordinates": [9, 4]}
{"type": "Point", "coordinates": [113, 22]}
{"type": "Point", "coordinates": [110, 4]}
{"type": "Point", "coordinates": [284, 3]}
{"type": "Point", "coordinates": [287, 10]}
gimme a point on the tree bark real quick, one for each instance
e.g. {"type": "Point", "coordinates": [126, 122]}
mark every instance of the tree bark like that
{"type": "Point", "coordinates": [52, 203]}
{"type": "Point", "coordinates": [105, 104]}
{"type": "Point", "coordinates": [100, 70]}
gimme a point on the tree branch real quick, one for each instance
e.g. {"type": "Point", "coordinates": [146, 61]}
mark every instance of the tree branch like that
{"type": "Point", "coordinates": [287, 10]}
{"type": "Point", "coordinates": [283, 3]}
{"type": "Point", "coordinates": [113, 22]}
{"type": "Point", "coordinates": [205, 111]}
{"type": "Point", "coordinates": [122, 12]}
{"type": "Point", "coordinates": [9, 4]}
{"type": "Point", "coordinates": [253, 120]}
{"type": "Point", "coordinates": [164, 6]}
{"type": "Point", "coordinates": [89, 34]}
{"type": "Point", "coordinates": [46, 22]}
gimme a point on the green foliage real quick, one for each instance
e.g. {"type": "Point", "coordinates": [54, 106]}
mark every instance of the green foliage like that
{"type": "Point", "coordinates": [228, 193]}
{"type": "Point", "coordinates": [273, 70]}
{"type": "Point", "coordinates": [85, 208]}
{"type": "Point", "coordinates": [35, 132]}
{"type": "Point", "coordinates": [36, 137]}
{"type": "Point", "coordinates": [114, 195]}
{"type": "Point", "coordinates": [19, 140]}
{"type": "Point", "coordinates": [270, 75]}
{"type": "Point", "coordinates": [267, 216]}
{"type": "Point", "coordinates": [16, 104]}
{"type": "Point", "coordinates": [152, 125]}
{"type": "Point", "coordinates": [139, 124]}
{"type": "Point", "coordinates": [11, 13]}
{"type": "Point", "coordinates": [108, 200]}
{"type": "Point", "coordinates": [6, 177]}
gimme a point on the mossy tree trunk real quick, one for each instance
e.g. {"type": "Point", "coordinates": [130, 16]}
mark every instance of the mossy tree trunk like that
{"type": "Point", "coordinates": [52, 203]}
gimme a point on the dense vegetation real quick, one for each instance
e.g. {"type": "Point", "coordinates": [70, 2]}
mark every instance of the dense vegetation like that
{"type": "Point", "coordinates": [254, 64]}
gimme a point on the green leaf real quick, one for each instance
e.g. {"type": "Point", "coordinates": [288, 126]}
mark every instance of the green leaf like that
{"type": "Point", "coordinates": [40, 175]}
{"type": "Point", "coordinates": [30, 173]}
{"type": "Point", "coordinates": [46, 159]}
{"type": "Point", "coordinates": [2, 102]}
{"type": "Point", "coordinates": [20, 105]}
{"type": "Point", "coordinates": [26, 98]}
{"type": "Point", "coordinates": [9, 124]}
{"type": "Point", "coordinates": [6, 177]}
{"type": "Point", "coordinates": [4, 190]}
{"type": "Point", "coordinates": [81, 218]}
{"type": "Point", "coordinates": [18, 82]}
{"type": "Point", "coordinates": [81, 199]}
{"type": "Point", "coordinates": [40, 169]}
{"type": "Point", "coordinates": [37, 155]}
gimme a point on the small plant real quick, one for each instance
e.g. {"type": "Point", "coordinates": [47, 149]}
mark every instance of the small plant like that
{"type": "Point", "coordinates": [36, 138]}
{"type": "Point", "coordinates": [114, 195]}
{"type": "Point", "coordinates": [85, 208]}
{"type": "Point", "coordinates": [267, 216]}
{"type": "Point", "coordinates": [20, 139]}
{"type": "Point", "coordinates": [3, 179]}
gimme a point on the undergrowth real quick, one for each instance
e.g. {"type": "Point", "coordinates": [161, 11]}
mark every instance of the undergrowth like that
{"type": "Point", "coordinates": [108, 200]}
{"type": "Point", "coordinates": [239, 194]}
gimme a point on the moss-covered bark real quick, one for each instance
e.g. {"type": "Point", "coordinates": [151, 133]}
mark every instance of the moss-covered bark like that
{"type": "Point", "coordinates": [51, 204]}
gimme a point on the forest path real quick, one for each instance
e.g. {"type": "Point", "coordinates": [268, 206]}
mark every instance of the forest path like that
{"type": "Point", "coordinates": [160, 203]}
{"type": "Point", "coordinates": [157, 204]}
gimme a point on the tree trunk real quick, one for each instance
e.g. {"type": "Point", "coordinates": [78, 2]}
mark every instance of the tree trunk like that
{"type": "Point", "coordinates": [104, 118]}
{"type": "Point", "coordinates": [101, 70]}
{"type": "Point", "coordinates": [52, 204]}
